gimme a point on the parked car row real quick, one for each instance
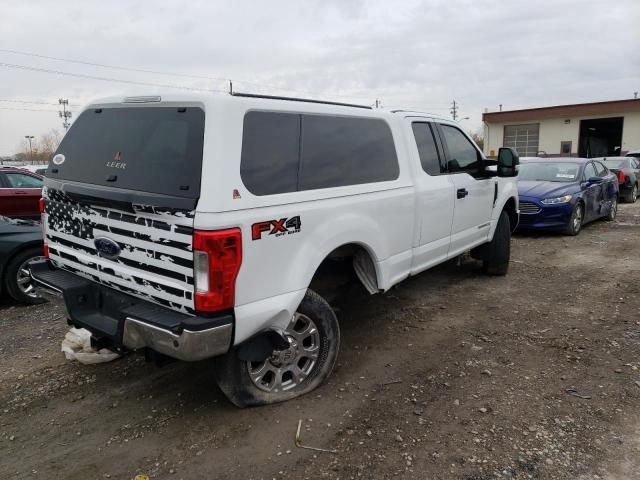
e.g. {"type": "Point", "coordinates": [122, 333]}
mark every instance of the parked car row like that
{"type": "Point", "coordinates": [20, 192]}
{"type": "Point", "coordinates": [566, 193]}
{"type": "Point", "coordinates": [20, 243]}
{"type": "Point", "coordinates": [627, 170]}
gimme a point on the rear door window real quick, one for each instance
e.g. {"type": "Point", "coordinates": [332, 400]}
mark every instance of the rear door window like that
{"type": "Point", "coordinates": [20, 180]}
{"type": "Point", "coordinates": [149, 149]}
{"type": "Point", "coordinates": [340, 151]}
{"type": "Point", "coordinates": [287, 152]}
{"type": "Point", "coordinates": [427, 149]}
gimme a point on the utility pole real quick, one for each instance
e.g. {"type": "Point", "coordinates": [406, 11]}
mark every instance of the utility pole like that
{"type": "Point", "coordinates": [30, 137]}
{"type": "Point", "coordinates": [454, 110]}
{"type": "Point", "coordinates": [65, 115]}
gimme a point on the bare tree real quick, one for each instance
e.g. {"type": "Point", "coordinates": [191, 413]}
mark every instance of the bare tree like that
{"type": "Point", "coordinates": [479, 139]}
{"type": "Point", "coordinates": [47, 145]}
{"type": "Point", "coordinates": [43, 148]}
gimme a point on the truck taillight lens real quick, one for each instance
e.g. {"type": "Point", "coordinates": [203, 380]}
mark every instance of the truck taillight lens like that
{"type": "Point", "coordinates": [217, 256]}
{"type": "Point", "coordinates": [621, 177]}
{"type": "Point", "coordinates": [43, 219]}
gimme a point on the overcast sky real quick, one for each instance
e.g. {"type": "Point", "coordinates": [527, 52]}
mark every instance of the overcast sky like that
{"type": "Point", "coordinates": [417, 54]}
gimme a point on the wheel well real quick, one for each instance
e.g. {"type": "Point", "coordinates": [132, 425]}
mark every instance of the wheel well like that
{"type": "Point", "coordinates": [510, 208]}
{"type": "Point", "coordinates": [16, 251]}
{"type": "Point", "coordinates": [349, 263]}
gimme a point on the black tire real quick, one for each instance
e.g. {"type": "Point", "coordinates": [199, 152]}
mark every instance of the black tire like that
{"type": "Point", "coordinates": [575, 223]}
{"type": "Point", "coordinates": [232, 374]}
{"type": "Point", "coordinates": [11, 277]}
{"type": "Point", "coordinates": [613, 210]}
{"type": "Point", "coordinates": [498, 250]}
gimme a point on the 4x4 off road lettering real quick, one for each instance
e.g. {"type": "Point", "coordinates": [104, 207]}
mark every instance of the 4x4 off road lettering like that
{"type": "Point", "coordinates": [276, 227]}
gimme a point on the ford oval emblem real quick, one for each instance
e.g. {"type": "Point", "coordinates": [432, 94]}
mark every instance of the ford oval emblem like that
{"type": "Point", "coordinates": [107, 248]}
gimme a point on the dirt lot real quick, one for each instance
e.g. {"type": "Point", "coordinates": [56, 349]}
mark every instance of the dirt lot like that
{"type": "Point", "coordinates": [450, 375]}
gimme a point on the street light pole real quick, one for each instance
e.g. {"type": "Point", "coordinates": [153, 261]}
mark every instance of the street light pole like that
{"type": "Point", "coordinates": [30, 137]}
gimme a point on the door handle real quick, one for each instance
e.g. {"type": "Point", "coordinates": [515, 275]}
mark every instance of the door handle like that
{"type": "Point", "coordinates": [21, 192]}
{"type": "Point", "coordinates": [462, 192]}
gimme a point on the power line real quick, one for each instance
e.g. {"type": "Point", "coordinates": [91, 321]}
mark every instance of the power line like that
{"type": "Point", "coordinates": [33, 102]}
{"type": "Point", "coordinates": [27, 109]}
{"type": "Point", "coordinates": [174, 74]}
{"type": "Point", "coordinates": [115, 67]}
{"type": "Point", "coordinates": [105, 79]}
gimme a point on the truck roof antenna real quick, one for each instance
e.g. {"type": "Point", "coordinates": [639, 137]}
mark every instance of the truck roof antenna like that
{"type": "Point", "coordinates": [230, 87]}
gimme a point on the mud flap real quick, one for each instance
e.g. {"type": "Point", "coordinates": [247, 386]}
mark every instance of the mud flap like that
{"type": "Point", "coordinates": [366, 272]}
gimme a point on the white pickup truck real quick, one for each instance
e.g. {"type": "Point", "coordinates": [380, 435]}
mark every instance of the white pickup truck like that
{"type": "Point", "coordinates": [196, 226]}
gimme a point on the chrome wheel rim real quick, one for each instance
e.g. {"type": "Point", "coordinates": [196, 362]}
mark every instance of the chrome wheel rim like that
{"type": "Point", "coordinates": [577, 219]}
{"type": "Point", "coordinates": [286, 369]}
{"type": "Point", "coordinates": [634, 193]}
{"type": "Point", "coordinates": [24, 280]}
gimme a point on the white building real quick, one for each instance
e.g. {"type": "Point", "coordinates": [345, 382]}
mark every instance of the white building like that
{"type": "Point", "coordinates": [580, 130]}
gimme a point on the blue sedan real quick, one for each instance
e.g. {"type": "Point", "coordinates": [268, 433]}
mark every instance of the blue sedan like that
{"type": "Point", "coordinates": [565, 193]}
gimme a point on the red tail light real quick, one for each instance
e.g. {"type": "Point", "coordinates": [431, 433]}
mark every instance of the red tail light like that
{"type": "Point", "coordinates": [41, 205]}
{"type": "Point", "coordinates": [217, 257]}
{"type": "Point", "coordinates": [45, 250]}
{"type": "Point", "coordinates": [621, 177]}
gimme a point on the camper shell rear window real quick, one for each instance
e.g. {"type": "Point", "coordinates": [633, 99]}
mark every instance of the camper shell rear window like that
{"type": "Point", "coordinates": [147, 149]}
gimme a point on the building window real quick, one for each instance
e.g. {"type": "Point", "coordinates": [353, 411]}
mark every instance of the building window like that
{"type": "Point", "coordinates": [565, 149]}
{"type": "Point", "coordinates": [524, 138]}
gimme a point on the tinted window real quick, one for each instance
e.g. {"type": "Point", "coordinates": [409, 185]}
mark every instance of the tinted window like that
{"type": "Point", "coordinates": [20, 180]}
{"type": "Point", "coordinates": [463, 157]}
{"type": "Point", "coordinates": [601, 169]}
{"type": "Point", "coordinates": [270, 152]}
{"type": "Point", "coordinates": [427, 149]}
{"type": "Point", "coordinates": [589, 171]}
{"type": "Point", "coordinates": [339, 151]}
{"type": "Point", "coordinates": [150, 149]}
{"type": "Point", "coordinates": [286, 152]}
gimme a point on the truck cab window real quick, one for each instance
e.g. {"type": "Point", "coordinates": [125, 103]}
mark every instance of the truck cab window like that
{"type": "Point", "coordinates": [427, 149]}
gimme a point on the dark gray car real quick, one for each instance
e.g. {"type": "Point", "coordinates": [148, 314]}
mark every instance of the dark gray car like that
{"type": "Point", "coordinates": [20, 243]}
{"type": "Point", "coordinates": [627, 169]}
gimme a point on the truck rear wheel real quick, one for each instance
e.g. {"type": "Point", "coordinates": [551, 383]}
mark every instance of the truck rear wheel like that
{"type": "Point", "coordinates": [498, 250]}
{"type": "Point", "coordinates": [314, 340]}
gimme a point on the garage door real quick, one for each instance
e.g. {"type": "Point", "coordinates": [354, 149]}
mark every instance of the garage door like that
{"type": "Point", "coordinates": [524, 138]}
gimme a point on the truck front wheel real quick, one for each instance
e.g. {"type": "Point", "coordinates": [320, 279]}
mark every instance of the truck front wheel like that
{"type": "Point", "coordinates": [498, 251]}
{"type": "Point", "coordinates": [314, 340]}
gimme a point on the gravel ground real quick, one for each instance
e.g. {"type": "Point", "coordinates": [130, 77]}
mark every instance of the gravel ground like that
{"type": "Point", "coordinates": [450, 375]}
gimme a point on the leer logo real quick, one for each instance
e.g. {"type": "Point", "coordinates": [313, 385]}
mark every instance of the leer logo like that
{"type": "Point", "coordinates": [117, 162]}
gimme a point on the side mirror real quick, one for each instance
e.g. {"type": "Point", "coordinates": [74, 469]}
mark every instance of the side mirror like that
{"type": "Point", "coordinates": [508, 161]}
{"type": "Point", "coordinates": [595, 180]}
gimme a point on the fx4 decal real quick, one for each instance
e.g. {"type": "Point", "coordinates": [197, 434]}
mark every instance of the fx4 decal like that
{"type": "Point", "coordinates": [284, 226]}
